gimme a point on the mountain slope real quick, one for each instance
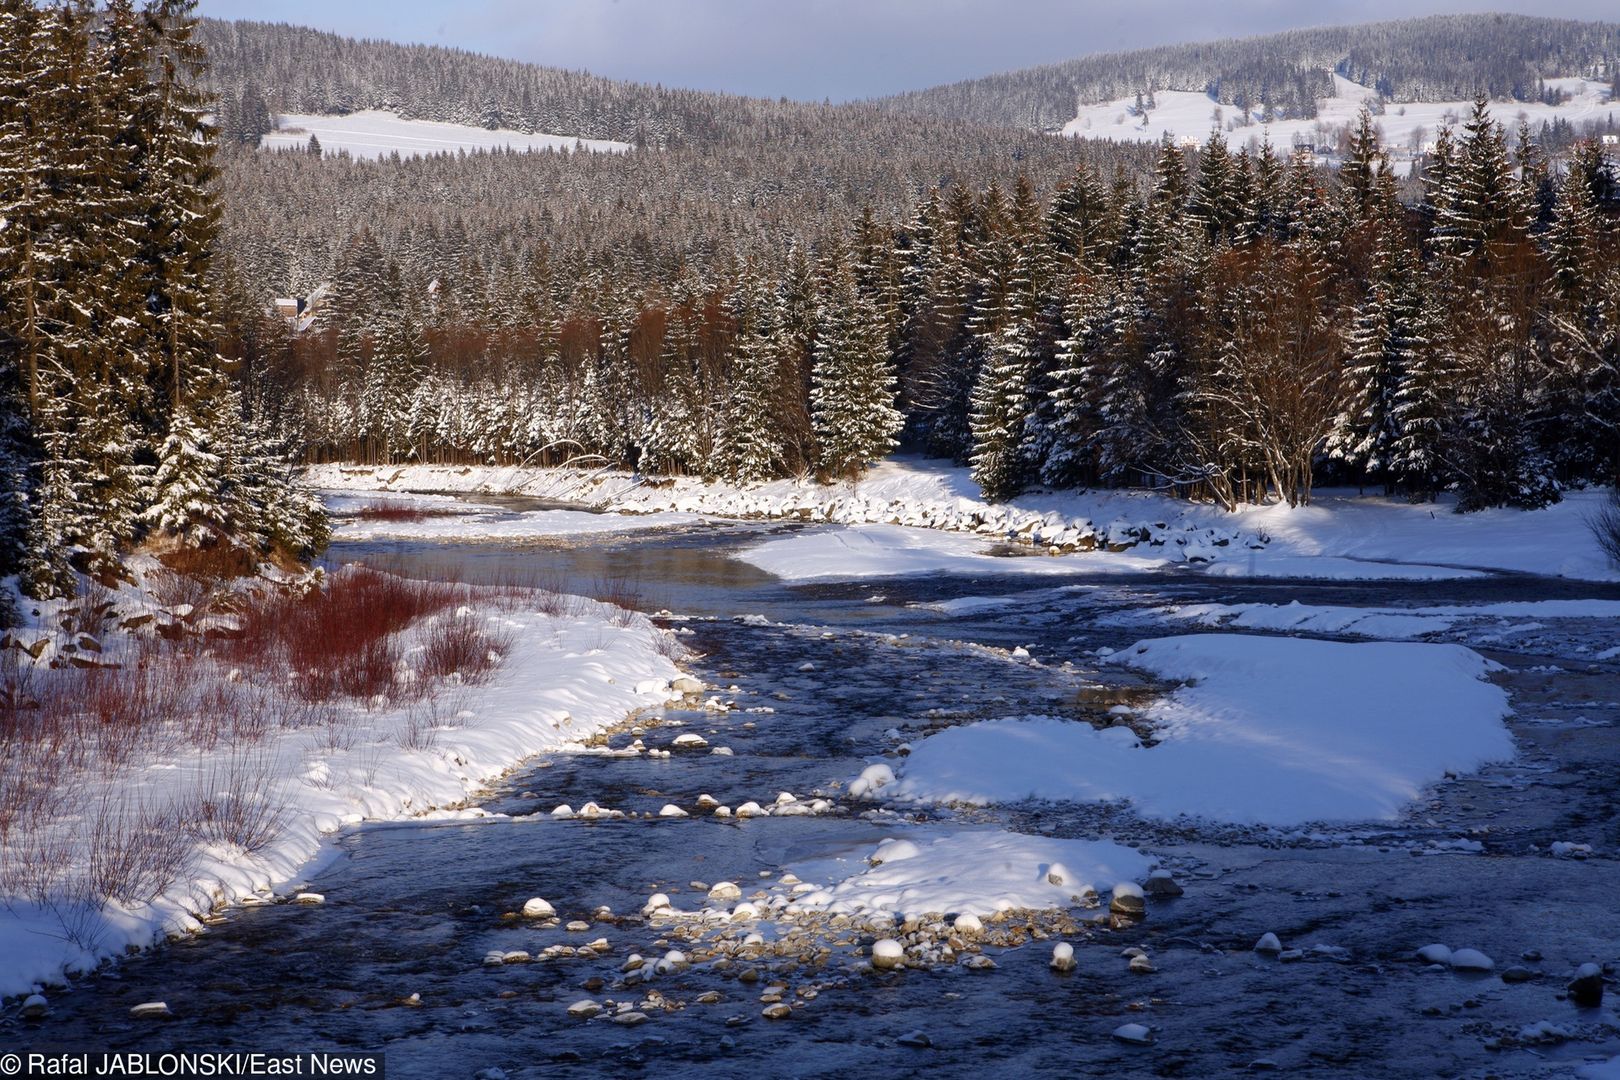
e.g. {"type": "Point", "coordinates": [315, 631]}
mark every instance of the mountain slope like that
{"type": "Point", "coordinates": [1439, 58]}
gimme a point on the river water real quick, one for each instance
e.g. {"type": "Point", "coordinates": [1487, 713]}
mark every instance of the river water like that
{"type": "Point", "coordinates": [824, 676]}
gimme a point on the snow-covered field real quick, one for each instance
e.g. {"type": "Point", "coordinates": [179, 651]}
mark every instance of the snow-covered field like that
{"type": "Point", "coordinates": [1341, 536]}
{"type": "Point", "coordinates": [1191, 114]}
{"type": "Point", "coordinates": [1276, 731]}
{"type": "Point", "coordinates": [568, 672]}
{"type": "Point", "coordinates": [375, 134]}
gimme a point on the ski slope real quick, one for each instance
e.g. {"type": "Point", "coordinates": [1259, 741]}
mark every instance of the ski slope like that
{"type": "Point", "coordinates": [374, 134]}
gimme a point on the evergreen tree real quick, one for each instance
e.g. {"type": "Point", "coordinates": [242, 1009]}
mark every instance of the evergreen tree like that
{"type": "Point", "coordinates": [853, 384]}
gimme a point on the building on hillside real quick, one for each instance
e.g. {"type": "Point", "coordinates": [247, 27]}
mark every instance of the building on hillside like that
{"type": "Point", "coordinates": [299, 312]}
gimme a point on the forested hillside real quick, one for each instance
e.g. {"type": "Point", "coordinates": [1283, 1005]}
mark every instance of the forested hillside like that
{"type": "Point", "coordinates": [281, 68]}
{"type": "Point", "coordinates": [1439, 58]}
{"type": "Point", "coordinates": [1237, 331]}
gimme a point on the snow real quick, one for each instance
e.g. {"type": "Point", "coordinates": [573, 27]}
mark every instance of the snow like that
{"type": "Point", "coordinates": [501, 525]}
{"type": "Point", "coordinates": [965, 872]}
{"type": "Point", "coordinates": [1187, 114]}
{"type": "Point", "coordinates": [892, 550]}
{"type": "Point", "coordinates": [565, 678]}
{"type": "Point", "coordinates": [1388, 624]}
{"type": "Point", "coordinates": [1251, 738]}
{"type": "Point", "coordinates": [1341, 535]}
{"type": "Point", "coordinates": [373, 133]}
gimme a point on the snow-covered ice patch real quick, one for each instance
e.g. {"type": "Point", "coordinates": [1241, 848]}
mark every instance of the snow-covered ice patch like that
{"type": "Point", "coordinates": [964, 871]}
{"type": "Point", "coordinates": [1276, 731]}
{"type": "Point", "coordinates": [895, 551]}
{"type": "Point", "coordinates": [532, 524]}
{"type": "Point", "coordinates": [1390, 624]}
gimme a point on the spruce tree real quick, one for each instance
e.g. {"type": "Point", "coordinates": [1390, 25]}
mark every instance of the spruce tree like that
{"type": "Point", "coordinates": [852, 383]}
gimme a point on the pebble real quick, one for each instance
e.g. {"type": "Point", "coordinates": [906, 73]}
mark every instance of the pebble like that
{"type": "Point", "coordinates": [777, 1011]}
{"type": "Point", "coordinates": [1137, 1034]}
{"type": "Point", "coordinates": [584, 1009]}
{"type": "Point", "coordinates": [707, 802]}
{"type": "Point", "coordinates": [1517, 974]}
{"type": "Point", "coordinates": [1268, 943]}
{"type": "Point", "coordinates": [672, 811]}
{"type": "Point", "coordinates": [979, 962]}
{"type": "Point", "coordinates": [578, 926]}
{"type": "Point", "coordinates": [1471, 960]}
{"type": "Point", "coordinates": [150, 1010]}
{"type": "Point", "coordinates": [630, 1019]}
{"type": "Point", "coordinates": [35, 1007]}
{"type": "Point", "coordinates": [725, 891]}
{"type": "Point", "coordinates": [1587, 987]}
{"type": "Point", "coordinates": [1062, 957]}
{"type": "Point", "coordinates": [537, 908]}
{"type": "Point", "coordinates": [309, 898]}
{"type": "Point", "coordinates": [689, 741]}
{"type": "Point", "coordinates": [710, 997]}
{"type": "Point", "coordinates": [1141, 965]}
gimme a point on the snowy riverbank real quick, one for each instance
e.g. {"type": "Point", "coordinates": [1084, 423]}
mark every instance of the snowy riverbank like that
{"type": "Point", "coordinates": [290, 771]}
{"type": "Point", "coordinates": [1341, 536]}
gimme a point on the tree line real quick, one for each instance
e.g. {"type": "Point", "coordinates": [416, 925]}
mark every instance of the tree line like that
{"type": "Point", "coordinates": [1234, 325]}
{"type": "Point", "coordinates": [120, 420]}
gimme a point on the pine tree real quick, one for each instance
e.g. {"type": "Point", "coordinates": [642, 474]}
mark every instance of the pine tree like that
{"type": "Point", "coordinates": [1002, 407]}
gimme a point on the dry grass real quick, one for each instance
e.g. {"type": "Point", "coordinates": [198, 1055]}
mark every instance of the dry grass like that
{"type": "Point", "coordinates": [76, 831]}
{"type": "Point", "coordinates": [393, 511]}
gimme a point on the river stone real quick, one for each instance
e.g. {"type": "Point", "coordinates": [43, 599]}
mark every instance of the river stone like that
{"type": "Point", "coordinates": [578, 926]}
{"type": "Point", "coordinates": [1517, 974]}
{"type": "Point", "coordinates": [1435, 954]}
{"type": "Point", "coordinates": [725, 891]}
{"type": "Point", "coordinates": [1161, 884]}
{"type": "Point", "coordinates": [1586, 989]}
{"type": "Point", "coordinates": [685, 684]}
{"type": "Point", "coordinates": [777, 1011]}
{"type": "Point", "coordinates": [1062, 957]}
{"type": "Point", "coordinates": [34, 1007]}
{"type": "Point", "coordinates": [1268, 943]}
{"type": "Point", "coordinates": [309, 898]}
{"type": "Point", "coordinates": [917, 1040]}
{"type": "Point", "coordinates": [1471, 960]}
{"type": "Point", "coordinates": [670, 810]}
{"type": "Point", "coordinates": [630, 1019]}
{"type": "Point", "coordinates": [150, 1010]}
{"type": "Point", "coordinates": [537, 908]}
{"type": "Point", "coordinates": [584, 1009]}
{"type": "Point", "coordinates": [1127, 899]}
{"type": "Point", "coordinates": [689, 741]}
{"type": "Point", "coordinates": [888, 954]}
{"type": "Point", "coordinates": [1136, 1034]}
{"type": "Point", "coordinates": [709, 997]}
{"type": "Point", "coordinates": [1141, 965]}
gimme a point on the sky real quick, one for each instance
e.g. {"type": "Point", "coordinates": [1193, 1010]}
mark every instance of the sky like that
{"type": "Point", "coordinates": [835, 49]}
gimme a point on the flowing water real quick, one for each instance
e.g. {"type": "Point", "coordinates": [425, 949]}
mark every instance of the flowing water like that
{"type": "Point", "coordinates": [824, 676]}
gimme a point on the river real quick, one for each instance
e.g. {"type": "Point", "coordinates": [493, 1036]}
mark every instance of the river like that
{"type": "Point", "coordinates": [821, 678]}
